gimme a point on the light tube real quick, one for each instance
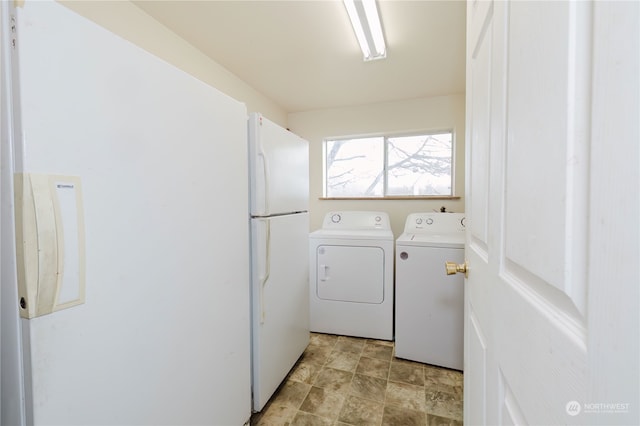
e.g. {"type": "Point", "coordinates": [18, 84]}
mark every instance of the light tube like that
{"type": "Point", "coordinates": [367, 27]}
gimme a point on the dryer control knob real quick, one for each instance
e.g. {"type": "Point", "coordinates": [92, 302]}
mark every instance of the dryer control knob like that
{"type": "Point", "coordinates": [429, 221]}
{"type": "Point", "coordinates": [418, 221]}
{"type": "Point", "coordinates": [378, 218]}
{"type": "Point", "coordinates": [335, 218]}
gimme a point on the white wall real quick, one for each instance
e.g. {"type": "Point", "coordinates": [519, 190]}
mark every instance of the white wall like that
{"type": "Point", "coordinates": [444, 112]}
{"type": "Point", "coordinates": [130, 22]}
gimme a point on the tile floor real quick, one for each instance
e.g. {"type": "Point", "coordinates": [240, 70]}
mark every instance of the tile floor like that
{"type": "Point", "coordinates": [351, 381]}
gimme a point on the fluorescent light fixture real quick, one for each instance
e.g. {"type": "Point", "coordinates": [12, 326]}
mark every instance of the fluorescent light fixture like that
{"type": "Point", "coordinates": [367, 27]}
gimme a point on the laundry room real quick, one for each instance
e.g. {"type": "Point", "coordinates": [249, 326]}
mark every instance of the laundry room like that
{"type": "Point", "coordinates": [272, 223]}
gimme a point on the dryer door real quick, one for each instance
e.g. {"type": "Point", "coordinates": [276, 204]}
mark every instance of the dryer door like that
{"type": "Point", "coordinates": [350, 273]}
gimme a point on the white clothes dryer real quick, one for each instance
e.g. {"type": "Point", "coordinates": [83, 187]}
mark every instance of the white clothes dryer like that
{"type": "Point", "coordinates": [429, 316]}
{"type": "Point", "coordinates": [351, 275]}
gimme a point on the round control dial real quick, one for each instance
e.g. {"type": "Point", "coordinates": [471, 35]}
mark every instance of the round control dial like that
{"type": "Point", "coordinates": [336, 218]}
{"type": "Point", "coordinates": [429, 221]}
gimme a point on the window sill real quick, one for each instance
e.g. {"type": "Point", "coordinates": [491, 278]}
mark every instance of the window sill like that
{"type": "Point", "coordinates": [422, 198]}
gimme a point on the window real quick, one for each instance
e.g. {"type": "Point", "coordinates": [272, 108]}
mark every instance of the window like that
{"type": "Point", "coordinates": [389, 166]}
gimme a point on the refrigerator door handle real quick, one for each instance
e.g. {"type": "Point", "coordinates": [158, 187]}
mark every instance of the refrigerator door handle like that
{"type": "Point", "coordinates": [267, 268]}
{"type": "Point", "coordinates": [265, 174]}
{"type": "Point", "coordinates": [50, 251]}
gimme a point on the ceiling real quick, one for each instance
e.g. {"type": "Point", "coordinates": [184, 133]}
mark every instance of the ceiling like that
{"type": "Point", "coordinates": [303, 55]}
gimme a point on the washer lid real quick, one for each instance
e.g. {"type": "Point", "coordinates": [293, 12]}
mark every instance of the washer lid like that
{"type": "Point", "coordinates": [449, 239]}
{"type": "Point", "coordinates": [353, 234]}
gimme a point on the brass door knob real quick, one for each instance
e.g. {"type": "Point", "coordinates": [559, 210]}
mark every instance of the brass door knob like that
{"type": "Point", "coordinates": [454, 268]}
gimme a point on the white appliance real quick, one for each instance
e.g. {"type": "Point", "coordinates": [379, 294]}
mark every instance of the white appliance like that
{"type": "Point", "coordinates": [131, 303]}
{"type": "Point", "coordinates": [429, 303]}
{"type": "Point", "coordinates": [351, 275]}
{"type": "Point", "coordinates": [279, 176]}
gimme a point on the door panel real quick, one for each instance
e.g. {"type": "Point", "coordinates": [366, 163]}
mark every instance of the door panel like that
{"type": "Point", "coordinates": [510, 413]}
{"type": "Point", "coordinates": [478, 113]}
{"type": "Point", "coordinates": [544, 185]}
{"type": "Point", "coordinates": [475, 380]}
{"type": "Point", "coordinates": [546, 148]}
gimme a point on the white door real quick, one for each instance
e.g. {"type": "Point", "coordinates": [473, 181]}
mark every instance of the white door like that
{"type": "Point", "coordinates": [551, 309]}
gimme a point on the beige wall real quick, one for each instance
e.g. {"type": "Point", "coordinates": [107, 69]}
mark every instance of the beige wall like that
{"type": "Point", "coordinates": [417, 114]}
{"type": "Point", "coordinates": [130, 22]}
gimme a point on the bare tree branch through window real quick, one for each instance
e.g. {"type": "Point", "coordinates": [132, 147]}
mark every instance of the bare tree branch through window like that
{"type": "Point", "coordinates": [415, 165]}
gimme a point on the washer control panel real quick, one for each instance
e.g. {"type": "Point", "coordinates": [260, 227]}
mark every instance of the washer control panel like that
{"type": "Point", "coordinates": [435, 222]}
{"type": "Point", "coordinates": [350, 219]}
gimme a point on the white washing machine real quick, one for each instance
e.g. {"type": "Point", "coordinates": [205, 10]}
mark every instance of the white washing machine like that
{"type": "Point", "coordinates": [351, 275]}
{"type": "Point", "coordinates": [429, 303]}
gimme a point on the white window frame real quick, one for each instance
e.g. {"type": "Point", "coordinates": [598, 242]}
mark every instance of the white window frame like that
{"type": "Point", "coordinates": [386, 137]}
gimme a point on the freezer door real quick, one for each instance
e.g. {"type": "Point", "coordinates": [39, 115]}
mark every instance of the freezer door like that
{"type": "Point", "coordinates": [278, 169]}
{"type": "Point", "coordinates": [163, 335]}
{"type": "Point", "coordinates": [280, 299]}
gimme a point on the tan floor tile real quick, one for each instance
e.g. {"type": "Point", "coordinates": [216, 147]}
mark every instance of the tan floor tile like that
{"type": "Point", "coordinates": [334, 380]}
{"type": "Point", "coordinates": [443, 375]}
{"type": "Point", "coordinates": [373, 367]}
{"type": "Point", "coordinates": [438, 395]}
{"type": "Point", "coordinates": [406, 396]}
{"type": "Point", "coordinates": [449, 409]}
{"type": "Point", "coordinates": [411, 373]}
{"type": "Point", "coordinates": [358, 411]}
{"type": "Point", "coordinates": [316, 354]}
{"type": "Point", "coordinates": [359, 386]}
{"type": "Point", "coordinates": [389, 343]}
{"type": "Point", "coordinates": [305, 371]}
{"type": "Point", "coordinates": [341, 360]}
{"type": "Point", "coordinates": [323, 403]}
{"type": "Point", "coordinates": [368, 387]}
{"type": "Point", "coordinates": [319, 339]}
{"type": "Point", "coordinates": [306, 419]}
{"type": "Point", "coordinates": [291, 394]}
{"type": "Point", "coordinates": [372, 350]}
{"type": "Point", "coordinates": [434, 384]}
{"type": "Point", "coordinates": [274, 414]}
{"type": "Point", "coordinates": [433, 420]}
{"type": "Point", "coordinates": [407, 361]}
{"type": "Point", "coordinates": [396, 416]}
{"type": "Point", "coordinates": [456, 377]}
{"type": "Point", "coordinates": [350, 344]}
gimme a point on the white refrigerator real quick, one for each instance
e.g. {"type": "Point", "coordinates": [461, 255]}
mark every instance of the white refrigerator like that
{"type": "Point", "coordinates": [279, 199]}
{"type": "Point", "coordinates": [125, 245]}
